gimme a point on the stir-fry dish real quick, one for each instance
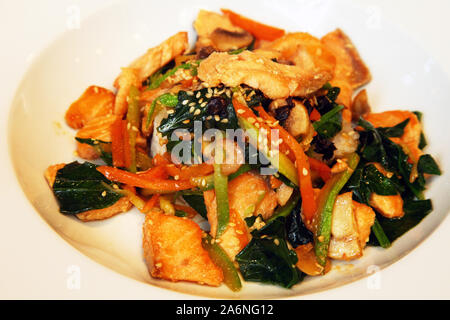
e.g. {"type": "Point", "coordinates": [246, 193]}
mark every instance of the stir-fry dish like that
{"type": "Point", "coordinates": [254, 156]}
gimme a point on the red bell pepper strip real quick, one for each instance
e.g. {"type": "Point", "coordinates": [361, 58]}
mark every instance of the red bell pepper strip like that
{"type": "Point", "coordinates": [320, 167]}
{"type": "Point", "coordinates": [117, 144]}
{"type": "Point", "coordinates": [304, 175]}
{"type": "Point", "coordinates": [315, 115]}
{"type": "Point", "coordinates": [136, 180]}
{"type": "Point", "coordinates": [259, 30]}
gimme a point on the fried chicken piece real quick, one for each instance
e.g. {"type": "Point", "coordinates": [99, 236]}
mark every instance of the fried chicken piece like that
{"type": "Point", "coordinates": [173, 250]}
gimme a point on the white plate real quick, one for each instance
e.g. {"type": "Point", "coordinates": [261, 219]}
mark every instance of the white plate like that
{"type": "Point", "coordinates": [404, 76]}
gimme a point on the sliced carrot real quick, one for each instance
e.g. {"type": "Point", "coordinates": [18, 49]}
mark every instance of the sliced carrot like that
{"type": "Point", "coordinates": [259, 30]}
{"type": "Point", "coordinates": [154, 173]}
{"type": "Point", "coordinates": [323, 170]}
{"type": "Point", "coordinates": [117, 143]}
{"type": "Point", "coordinates": [315, 115]}
{"type": "Point", "coordinates": [185, 172]}
{"type": "Point", "coordinates": [159, 160]}
{"type": "Point", "coordinates": [136, 180]}
{"type": "Point", "coordinates": [190, 211]}
{"type": "Point", "coordinates": [151, 203]}
{"type": "Point", "coordinates": [304, 175]}
{"type": "Point", "coordinates": [274, 182]}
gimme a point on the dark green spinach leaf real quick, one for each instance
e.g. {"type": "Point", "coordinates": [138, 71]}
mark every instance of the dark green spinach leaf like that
{"type": "Point", "coordinates": [79, 187]}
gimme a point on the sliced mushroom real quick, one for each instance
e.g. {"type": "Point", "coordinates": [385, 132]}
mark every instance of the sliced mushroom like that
{"type": "Point", "coordinates": [225, 40]}
{"type": "Point", "coordinates": [298, 123]}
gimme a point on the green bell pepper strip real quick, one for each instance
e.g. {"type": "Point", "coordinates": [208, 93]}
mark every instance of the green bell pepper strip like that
{"type": "Point", "coordinates": [221, 259]}
{"type": "Point", "coordinates": [223, 209]}
{"type": "Point", "coordinates": [133, 116]}
{"type": "Point", "coordinates": [285, 210]}
{"type": "Point", "coordinates": [324, 214]}
{"type": "Point", "coordinates": [166, 99]}
{"type": "Point", "coordinates": [284, 165]}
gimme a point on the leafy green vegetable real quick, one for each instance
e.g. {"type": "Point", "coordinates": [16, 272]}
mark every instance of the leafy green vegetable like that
{"type": "Point", "coordinates": [268, 259]}
{"type": "Point", "coordinates": [415, 211]}
{"type": "Point", "coordinates": [427, 164]}
{"type": "Point", "coordinates": [395, 131]}
{"type": "Point", "coordinates": [297, 233]}
{"type": "Point", "coordinates": [380, 235]}
{"type": "Point", "coordinates": [367, 179]}
{"type": "Point", "coordinates": [197, 202]}
{"type": "Point", "coordinates": [375, 146]}
{"type": "Point", "coordinates": [330, 123]}
{"type": "Point", "coordinates": [194, 106]}
{"type": "Point", "coordinates": [101, 148]}
{"type": "Point", "coordinates": [80, 187]}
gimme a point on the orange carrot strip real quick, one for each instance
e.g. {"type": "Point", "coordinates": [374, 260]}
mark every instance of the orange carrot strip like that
{"type": "Point", "coordinates": [154, 173]}
{"type": "Point", "coordinates": [117, 143]}
{"type": "Point", "coordinates": [315, 115]}
{"type": "Point", "coordinates": [304, 175]}
{"type": "Point", "coordinates": [135, 180]}
{"type": "Point", "coordinates": [323, 170]}
{"type": "Point", "coordinates": [190, 211]}
{"type": "Point", "coordinates": [185, 172]}
{"type": "Point", "coordinates": [259, 30]}
{"type": "Point", "coordinates": [151, 203]}
{"type": "Point", "coordinates": [274, 182]}
{"type": "Point", "coordinates": [159, 160]}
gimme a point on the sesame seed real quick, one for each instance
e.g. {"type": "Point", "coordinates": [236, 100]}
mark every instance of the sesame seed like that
{"type": "Point", "coordinates": [208, 95]}
{"type": "Point", "coordinates": [191, 109]}
{"type": "Point", "coordinates": [129, 126]}
{"type": "Point", "coordinates": [186, 121]}
{"type": "Point", "coordinates": [198, 95]}
{"type": "Point", "coordinates": [197, 112]}
{"type": "Point", "coordinates": [200, 101]}
{"type": "Point", "coordinates": [239, 232]}
{"type": "Point", "coordinates": [240, 111]}
{"type": "Point", "coordinates": [185, 102]}
{"type": "Point", "coordinates": [158, 265]}
{"type": "Point", "coordinates": [276, 241]}
{"type": "Point", "coordinates": [251, 120]}
{"type": "Point", "coordinates": [177, 177]}
{"type": "Point", "coordinates": [96, 89]}
{"type": "Point", "coordinates": [115, 186]}
{"type": "Point", "coordinates": [204, 104]}
{"type": "Point", "coordinates": [104, 194]}
{"type": "Point", "coordinates": [189, 93]}
{"type": "Point", "coordinates": [208, 117]}
{"type": "Point", "coordinates": [171, 111]}
{"type": "Point", "coordinates": [192, 104]}
{"type": "Point", "coordinates": [224, 121]}
{"type": "Point", "coordinates": [216, 117]}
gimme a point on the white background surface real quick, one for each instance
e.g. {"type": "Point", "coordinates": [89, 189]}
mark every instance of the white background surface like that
{"type": "Point", "coordinates": [30, 269]}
